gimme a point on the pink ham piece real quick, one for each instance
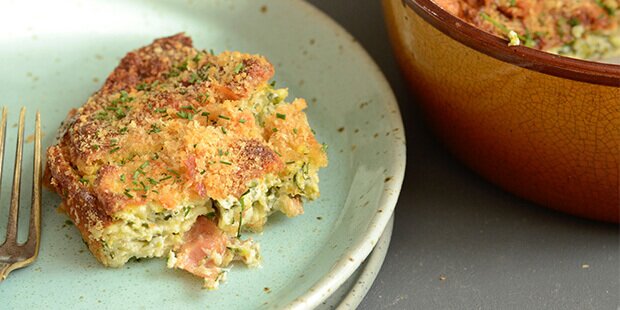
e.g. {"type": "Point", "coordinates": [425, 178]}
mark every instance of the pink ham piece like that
{"type": "Point", "coordinates": [203, 250]}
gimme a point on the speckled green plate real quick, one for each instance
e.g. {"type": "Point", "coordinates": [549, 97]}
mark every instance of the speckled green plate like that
{"type": "Point", "coordinates": [54, 54]}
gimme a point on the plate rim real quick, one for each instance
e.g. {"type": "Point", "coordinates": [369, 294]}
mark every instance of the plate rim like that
{"type": "Point", "coordinates": [371, 268]}
{"type": "Point", "coordinates": [355, 256]}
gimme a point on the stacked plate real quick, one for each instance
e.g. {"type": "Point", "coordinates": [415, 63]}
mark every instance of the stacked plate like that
{"type": "Point", "coordinates": [54, 55]}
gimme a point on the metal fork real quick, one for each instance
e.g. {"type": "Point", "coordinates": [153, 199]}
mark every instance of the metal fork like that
{"type": "Point", "coordinates": [14, 255]}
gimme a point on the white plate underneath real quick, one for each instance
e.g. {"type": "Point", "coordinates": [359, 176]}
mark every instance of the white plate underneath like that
{"type": "Point", "coordinates": [353, 291]}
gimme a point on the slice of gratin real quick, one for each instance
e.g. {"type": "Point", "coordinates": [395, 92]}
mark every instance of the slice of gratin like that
{"type": "Point", "coordinates": [179, 152]}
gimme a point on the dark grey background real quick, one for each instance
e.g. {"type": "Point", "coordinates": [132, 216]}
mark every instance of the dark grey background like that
{"type": "Point", "coordinates": [461, 243]}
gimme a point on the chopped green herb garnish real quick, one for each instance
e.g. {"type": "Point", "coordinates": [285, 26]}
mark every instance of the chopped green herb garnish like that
{"type": "Point", "coordinates": [573, 22]}
{"type": "Point", "coordinates": [194, 78]}
{"type": "Point", "coordinates": [274, 129]}
{"type": "Point", "coordinates": [281, 116]}
{"type": "Point", "coordinates": [185, 115]}
{"type": "Point", "coordinates": [161, 110]}
{"type": "Point", "coordinates": [124, 96]}
{"type": "Point", "coordinates": [528, 39]}
{"type": "Point", "coordinates": [152, 181]}
{"type": "Point", "coordinates": [165, 178]}
{"type": "Point", "coordinates": [83, 180]}
{"type": "Point", "coordinates": [101, 116]}
{"type": "Point", "coordinates": [290, 162]}
{"type": "Point", "coordinates": [204, 113]}
{"type": "Point", "coordinates": [202, 98]}
{"type": "Point", "coordinates": [174, 172]}
{"type": "Point", "coordinates": [122, 177]}
{"type": "Point", "coordinates": [242, 121]}
{"type": "Point", "coordinates": [144, 165]}
{"type": "Point", "coordinates": [197, 58]}
{"type": "Point", "coordinates": [173, 73]}
{"type": "Point", "coordinates": [495, 23]}
{"type": "Point", "coordinates": [540, 34]}
{"type": "Point", "coordinates": [203, 72]}
{"type": "Point", "coordinates": [239, 67]}
{"type": "Point", "coordinates": [186, 211]}
{"type": "Point", "coordinates": [154, 129]}
{"type": "Point", "coordinates": [114, 150]}
{"type": "Point", "coordinates": [277, 153]}
{"type": "Point", "coordinates": [142, 86]}
{"type": "Point", "coordinates": [224, 130]}
{"type": "Point", "coordinates": [272, 84]}
{"type": "Point", "coordinates": [120, 114]}
{"type": "Point", "coordinates": [607, 8]}
{"type": "Point", "coordinates": [146, 188]}
{"type": "Point", "coordinates": [295, 130]}
{"type": "Point", "coordinates": [202, 171]}
{"type": "Point", "coordinates": [224, 117]}
{"type": "Point", "coordinates": [225, 162]}
{"type": "Point", "coordinates": [182, 66]}
{"type": "Point", "coordinates": [128, 194]}
{"type": "Point", "coordinates": [122, 130]}
{"type": "Point", "coordinates": [241, 201]}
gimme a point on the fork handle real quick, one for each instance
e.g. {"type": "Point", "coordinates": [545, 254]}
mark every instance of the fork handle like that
{"type": "Point", "coordinates": [4, 270]}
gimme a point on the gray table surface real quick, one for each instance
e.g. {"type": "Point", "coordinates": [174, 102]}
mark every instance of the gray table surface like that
{"type": "Point", "coordinates": [460, 242]}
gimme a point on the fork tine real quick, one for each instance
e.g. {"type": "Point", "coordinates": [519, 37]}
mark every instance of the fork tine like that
{"type": "Point", "coordinates": [2, 139]}
{"type": "Point", "coordinates": [34, 231]}
{"type": "Point", "coordinates": [11, 235]}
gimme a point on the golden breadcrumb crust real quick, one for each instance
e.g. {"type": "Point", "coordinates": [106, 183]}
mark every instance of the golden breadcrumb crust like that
{"type": "Point", "coordinates": [172, 124]}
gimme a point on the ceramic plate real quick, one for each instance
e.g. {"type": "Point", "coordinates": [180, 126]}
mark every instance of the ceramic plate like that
{"type": "Point", "coordinates": [54, 54]}
{"type": "Point", "coordinates": [352, 292]}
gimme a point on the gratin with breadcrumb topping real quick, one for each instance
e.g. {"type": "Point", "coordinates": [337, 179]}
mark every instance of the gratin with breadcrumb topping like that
{"type": "Point", "coordinates": [588, 29]}
{"type": "Point", "coordinates": [178, 153]}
